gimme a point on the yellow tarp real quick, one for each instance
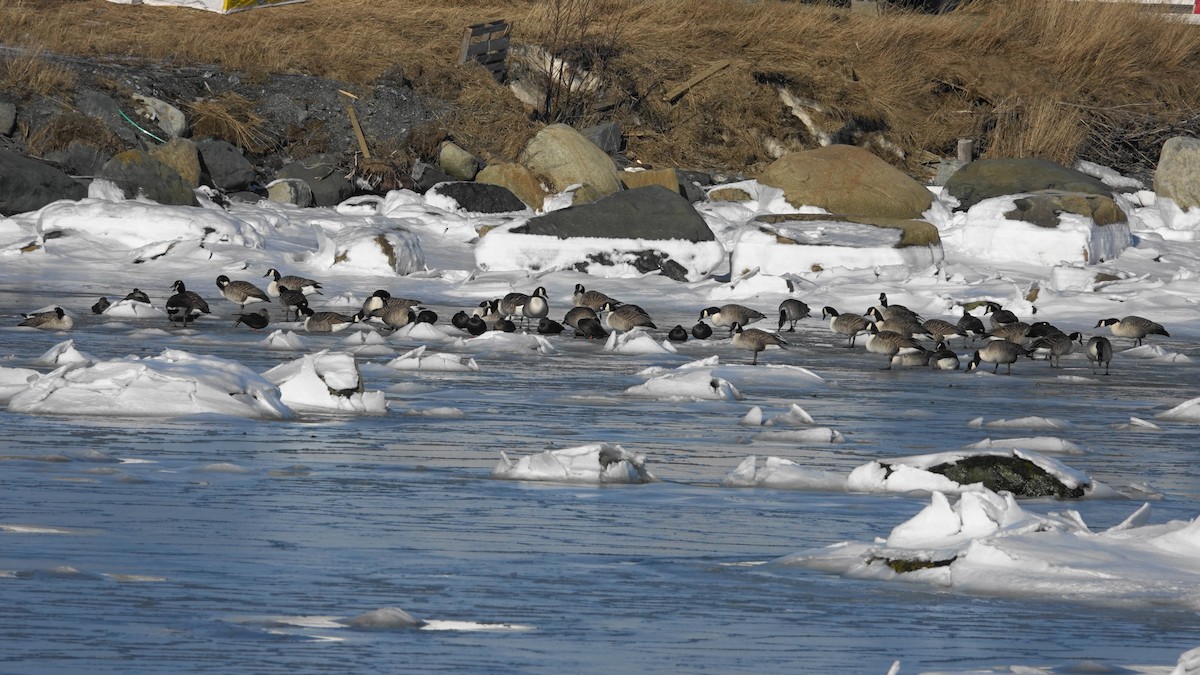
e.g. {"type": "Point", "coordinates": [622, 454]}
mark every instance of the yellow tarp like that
{"type": "Point", "coordinates": [219, 6]}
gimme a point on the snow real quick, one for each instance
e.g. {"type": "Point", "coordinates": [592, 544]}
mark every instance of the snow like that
{"type": "Point", "coordinates": [582, 464]}
{"type": "Point", "coordinates": [910, 474]}
{"type": "Point", "coordinates": [417, 359]}
{"type": "Point", "coordinates": [326, 381]}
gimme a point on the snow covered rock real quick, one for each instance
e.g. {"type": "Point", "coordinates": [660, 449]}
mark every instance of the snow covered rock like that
{"type": "Point", "coordinates": [795, 244]}
{"type": "Point", "coordinates": [13, 380]}
{"type": "Point", "coordinates": [378, 250]}
{"type": "Point", "coordinates": [990, 178]}
{"type": "Point", "coordinates": [777, 472]}
{"type": "Point", "coordinates": [135, 225]}
{"type": "Point", "coordinates": [594, 463]}
{"type": "Point", "coordinates": [1022, 473]}
{"type": "Point", "coordinates": [327, 381]}
{"type": "Point", "coordinates": [417, 359]}
{"type": "Point", "coordinates": [989, 231]}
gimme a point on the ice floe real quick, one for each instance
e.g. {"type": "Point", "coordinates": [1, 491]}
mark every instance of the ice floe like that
{"type": "Point", "coordinates": [594, 463]}
{"type": "Point", "coordinates": [418, 359]}
{"type": "Point", "coordinates": [328, 381]}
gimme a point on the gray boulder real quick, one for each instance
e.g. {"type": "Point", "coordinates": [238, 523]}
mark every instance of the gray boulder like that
{"type": "Point", "coordinates": [225, 165]}
{"type": "Point", "coordinates": [480, 197]}
{"type": "Point", "coordinates": [1013, 474]}
{"type": "Point", "coordinates": [290, 191]}
{"type": "Point", "coordinates": [8, 118]}
{"type": "Point", "coordinates": [425, 176]}
{"type": "Point", "coordinates": [28, 185]}
{"type": "Point", "coordinates": [106, 109]}
{"type": "Point", "coordinates": [607, 136]}
{"type": "Point", "coordinates": [79, 159]}
{"type": "Point", "coordinates": [987, 178]}
{"type": "Point", "coordinates": [1044, 208]}
{"type": "Point", "coordinates": [652, 212]}
{"type": "Point", "coordinates": [137, 172]}
{"type": "Point", "coordinates": [1177, 175]}
{"type": "Point", "coordinates": [328, 183]}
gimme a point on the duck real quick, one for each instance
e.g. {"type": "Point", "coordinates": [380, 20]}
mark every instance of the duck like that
{"type": "Point", "coordinates": [997, 352]}
{"type": "Point", "coordinates": [1099, 350]}
{"type": "Point", "coordinates": [290, 300]}
{"type": "Point", "coordinates": [678, 334]}
{"type": "Point", "coordinates": [548, 326]}
{"type": "Point", "coordinates": [701, 331]}
{"type": "Point", "coordinates": [892, 312]}
{"type": "Point", "coordinates": [476, 325]}
{"type": "Point", "coordinates": [537, 306]}
{"type": "Point", "coordinates": [427, 316]}
{"type": "Point", "coordinates": [505, 326]}
{"type": "Point", "coordinates": [943, 358]}
{"type": "Point", "coordinates": [326, 322]}
{"type": "Point", "coordinates": [1053, 346]}
{"type": "Point", "coordinates": [256, 320]}
{"type": "Point", "coordinates": [891, 344]}
{"type": "Point", "coordinates": [849, 325]}
{"type": "Point", "coordinates": [755, 340]}
{"type": "Point", "coordinates": [728, 315]}
{"type": "Point", "coordinates": [591, 329]}
{"type": "Point", "coordinates": [1134, 327]}
{"type": "Point", "coordinates": [241, 293]}
{"type": "Point", "coordinates": [137, 295]}
{"type": "Point", "coordinates": [380, 300]}
{"type": "Point", "coordinates": [459, 320]}
{"type": "Point", "coordinates": [578, 312]}
{"type": "Point", "coordinates": [592, 299]}
{"type": "Point", "coordinates": [101, 305]}
{"type": "Point", "coordinates": [626, 317]}
{"type": "Point", "coordinates": [292, 282]}
{"type": "Point", "coordinates": [185, 305]}
{"type": "Point", "coordinates": [54, 319]}
{"type": "Point", "coordinates": [971, 326]}
{"type": "Point", "coordinates": [791, 311]}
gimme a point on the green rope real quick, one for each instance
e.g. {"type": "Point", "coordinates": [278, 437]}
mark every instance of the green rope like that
{"type": "Point", "coordinates": [135, 126]}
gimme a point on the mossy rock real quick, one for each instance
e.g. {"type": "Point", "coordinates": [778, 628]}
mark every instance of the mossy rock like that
{"type": "Point", "coordinates": [1043, 208]}
{"type": "Point", "coordinates": [729, 194]}
{"type": "Point", "coordinates": [1012, 474]}
{"type": "Point", "coordinates": [987, 178]}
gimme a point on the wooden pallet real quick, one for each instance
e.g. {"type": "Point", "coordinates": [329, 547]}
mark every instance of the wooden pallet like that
{"type": "Point", "coordinates": [487, 45]}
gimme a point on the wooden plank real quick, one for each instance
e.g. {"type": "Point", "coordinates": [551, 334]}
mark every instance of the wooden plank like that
{"type": "Point", "coordinates": [678, 92]}
{"type": "Point", "coordinates": [466, 44]}
{"type": "Point", "coordinates": [487, 47]}
{"type": "Point", "coordinates": [490, 27]}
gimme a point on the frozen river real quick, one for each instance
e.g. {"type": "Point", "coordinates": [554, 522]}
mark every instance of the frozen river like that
{"type": "Point", "coordinates": [219, 544]}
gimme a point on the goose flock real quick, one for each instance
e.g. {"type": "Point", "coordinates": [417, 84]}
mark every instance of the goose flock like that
{"type": "Point", "coordinates": [894, 331]}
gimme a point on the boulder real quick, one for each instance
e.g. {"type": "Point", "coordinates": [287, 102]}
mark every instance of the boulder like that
{"type": "Point", "coordinates": [8, 118]}
{"type": "Point", "coordinates": [987, 178]}
{"type": "Point", "coordinates": [847, 179]}
{"type": "Point", "coordinates": [168, 118]}
{"type": "Point", "coordinates": [378, 250]}
{"type": "Point", "coordinates": [781, 244]}
{"type": "Point", "coordinates": [729, 194]}
{"type": "Point", "coordinates": [1044, 208]}
{"type": "Point", "coordinates": [1009, 473]}
{"type": "Point", "coordinates": [607, 136]}
{"type": "Point", "coordinates": [564, 157]}
{"type": "Point", "coordinates": [80, 159]}
{"type": "Point", "coordinates": [137, 172]}
{"type": "Point", "coordinates": [458, 163]}
{"type": "Point", "coordinates": [180, 154]}
{"type": "Point", "coordinates": [28, 185]}
{"type": "Point", "coordinates": [669, 178]}
{"type": "Point", "coordinates": [652, 212]}
{"type": "Point", "coordinates": [290, 191]}
{"type": "Point", "coordinates": [225, 165]}
{"type": "Point", "coordinates": [477, 197]}
{"type": "Point", "coordinates": [426, 176]}
{"type": "Point", "coordinates": [105, 108]}
{"type": "Point", "coordinates": [517, 179]}
{"type": "Point", "coordinates": [328, 183]}
{"type": "Point", "coordinates": [1177, 175]}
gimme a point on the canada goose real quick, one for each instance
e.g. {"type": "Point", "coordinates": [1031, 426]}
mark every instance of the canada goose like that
{"type": "Point", "coordinates": [459, 320]}
{"type": "Point", "coordinates": [1099, 350]}
{"type": "Point", "coordinates": [511, 304]}
{"type": "Point", "coordinates": [728, 315]}
{"type": "Point", "coordinates": [505, 326]}
{"type": "Point", "coordinates": [1017, 332]}
{"type": "Point", "coordinates": [997, 352]}
{"type": "Point", "coordinates": [548, 326]}
{"type": "Point", "coordinates": [678, 334]}
{"type": "Point", "coordinates": [941, 330]}
{"type": "Point", "coordinates": [537, 306]}
{"type": "Point", "coordinates": [591, 329]}
{"type": "Point", "coordinates": [427, 316]}
{"type": "Point", "coordinates": [971, 325]}
{"type": "Point", "coordinates": [380, 300]}
{"type": "Point", "coordinates": [488, 310]}
{"type": "Point", "coordinates": [701, 331]}
{"type": "Point", "coordinates": [891, 344]}
{"type": "Point", "coordinates": [137, 295]}
{"type": "Point", "coordinates": [241, 293]}
{"type": "Point", "coordinates": [1133, 327]}
{"type": "Point", "coordinates": [185, 305]}
{"type": "Point", "coordinates": [476, 325]}
{"type": "Point", "coordinates": [792, 310]}
{"type": "Point", "coordinates": [290, 300]}
{"type": "Point", "coordinates": [256, 320]}
{"type": "Point", "coordinates": [55, 319]}
{"type": "Point", "coordinates": [849, 325]}
{"type": "Point", "coordinates": [895, 311]}
{"type": "Point", "coordinates": [943, 358]}
{"type": "Point", "coordinates": [626, 317]}
{"type": "Point", "coordinates": [919, 359]}
{"type": "Point", "coordinates": [397, 317]}
{"type": "Point", "coordinates": [1041, 329]}
{"type": "Point", "coordinates": [901, 324]}
{"type": "Point", "coordinates": [592, 299]}
{"type": "Point", "coordinates": [290, 281]}
{"type": "Point", "coordinates": [755, 340]}
{"type": "Point", "coordinates": [325, 322]}
{"type": "Point", "coordinates": [579, 312]}
{"type": "Point", "coordinates": [1000, 316]}
{"type": "Point", "coordinates": [1054, 346]}
{"type": "Point", "coordinates": [101, 305]}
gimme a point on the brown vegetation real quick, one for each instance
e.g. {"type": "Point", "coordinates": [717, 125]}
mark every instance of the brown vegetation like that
{"type": "Point", "coordinates": [1046, 78]}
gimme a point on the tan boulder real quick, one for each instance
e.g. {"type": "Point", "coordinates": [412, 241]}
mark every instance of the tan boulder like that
{"type": "Point", "coordinates": [457, 162]}
{"type": "Point", "coordinates": [729, 194]}
{"type": "Point", "coordinates": [180, 154]}
{"type": "Point", "coordinates": [847, 179]}
{"type": "Point", "coordinates": [564, 157]}
{"type": "Point", "coordinates": [668, 178]}
{"type": "Point", "coordinates": [1177, 175]}
{"type": "Point", "coordinates": [517, 179]}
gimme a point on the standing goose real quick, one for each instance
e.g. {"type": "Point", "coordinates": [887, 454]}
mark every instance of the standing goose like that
{"type": "Point", "coordinates": [290, 281]}
{"type": "Point", "coordinates": [941, 330]}
{"type": "Point", "coordinates": [755, 340]}
{"type": "Point", "coordinates": [791, 311]}
{"type": "Point", "coordinates": [896, 311]}
{"type": "Point", "coordinates": [891, 344]}
{"type": "Point", "coordinates": [592, 299]}
{"type": "Point", "coordinates": [728, 315]}
{"type": "Point", "coordinates": [185, 305]}
{"type": "Point", "coordinates": [511, 304]}
{"type": "Point", "coordinates": [325, 322]}
{"type": "Point", "coordinates": [381, 300]}
{"type": "Point", "coordinates": [1099, 350]}
{"type": "Point", "coordinates": [626, 317]}
{"type": "Point", "coordinates": [55, 319]}
{"type": "Point", "coordinates": [900, 324]}
{"type": "Point", "coordinates": [997, 352]}
{"type": "Point", "coordinates": [537, 306]}
{"type": "Point", "coordinates": [1133, 327]}
{"type": "Point", "coordinates": [971, 325]}
{"type": "Point", "coordinates": [256, 320]}
{"type": "Point", "coordinates": [291, 300]}
{"type": "Point", "coordinates": [1017, 332]}
{"type": "Point", "coordinates": [943, 358]}
{"type": "Point", "coordinates": [241, 293]}
{"type": "Point", "coordinates": [1054, 346]}
{"type": "Point", "coordinates": [1000, 316]}
{"type": "Point", "coordinates": [849, 325]}
{"type": "Point", "coordinates": [575, 314]}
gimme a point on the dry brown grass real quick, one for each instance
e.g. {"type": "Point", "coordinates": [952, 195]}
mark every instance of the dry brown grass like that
{"type": "Point", "coordinates": [69, 126]}
{"type": "Point", "coordinates": [25, 72]}
{"type": "Point", "coordinates": [230, 117]}
{"type": "Point", "coordinates": [1046, 78]}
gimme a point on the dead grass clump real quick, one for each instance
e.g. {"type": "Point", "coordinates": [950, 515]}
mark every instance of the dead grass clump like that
{"type": "Point", "coordinates": [71, 125]}
{"type": "Point", "coordinates": [27, 72]}
{"type": "Point", "coordinates": [1042, 128]}
{"type": "Point", "coordinates": [230, 117]}
{"type": "Point", "coordinates": [306, 139]}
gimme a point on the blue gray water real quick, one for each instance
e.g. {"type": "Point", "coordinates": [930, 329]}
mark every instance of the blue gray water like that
{"type": "Point", "coordinates": [229, 544]}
